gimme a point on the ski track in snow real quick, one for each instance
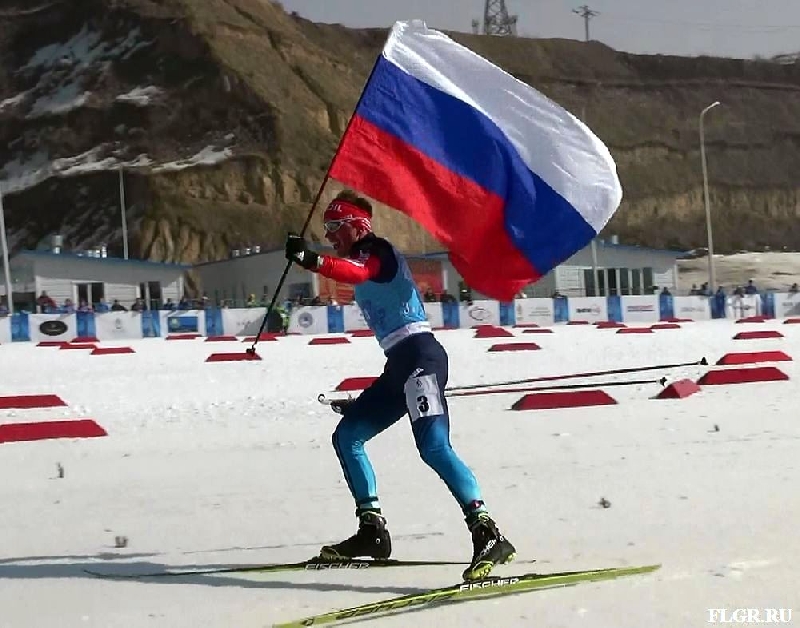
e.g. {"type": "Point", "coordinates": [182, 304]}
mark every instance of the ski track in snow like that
{"type": "Point", "coordinates": [231, 463]}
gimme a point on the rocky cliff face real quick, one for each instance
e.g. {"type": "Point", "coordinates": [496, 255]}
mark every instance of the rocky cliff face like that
{"type": "Point", "coordinates": [224, 115]}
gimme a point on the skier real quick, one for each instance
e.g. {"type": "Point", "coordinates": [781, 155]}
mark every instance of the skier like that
{"type": "Point", "coordinates": [413, 383]}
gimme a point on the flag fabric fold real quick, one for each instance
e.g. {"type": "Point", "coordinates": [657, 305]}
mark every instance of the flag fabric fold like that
{"type": "Point", "coordinates": [508, 181]}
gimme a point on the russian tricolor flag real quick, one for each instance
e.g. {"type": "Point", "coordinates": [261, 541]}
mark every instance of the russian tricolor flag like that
{"type": "Point", "coordinates": [508, 181]}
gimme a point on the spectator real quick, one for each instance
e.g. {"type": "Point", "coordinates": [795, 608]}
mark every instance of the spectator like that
{"type": "Point", "coordinates": [695, 290]}
{"type": "Point", "coordinates": [84, 306]}
{"type": "Point", "coordinates": [169, 305]}
{"type": "Point", "coordinates": [429, 296]}
{"type": "Point", "coordinates": [3, 307]}
{"type": "Point", "coordinates": [557, 295]}
{"type": "Point", "coordinates": [184, 304]}
{"type": "Point", "coordinates": [721, 292]}
{"type": "Point", "coordinates": [138, 305]}
{"type": "Point", "coordinates": [738, 291]}
{"type": "Point", "coordinates": [316, 301]}
{"type": "Point", "coordinates": [116, 306]}
{"type": "Point", "coordinates": [46, 304]}
{"type": "Point", "coordinates": [665, 292]}
{"type": "Point", "coordinates": [251, 301]}
{"type": "Point", "coordinates": [101, 306]}
{"type": "Point", "coordinates": [705, 290]}
{"type": "Point", "coordinates": [751, 288]}
{"type": "Point", "coordinates": [794, 289]}
{"type": "Point", "coordinates": [68, 307]}
{"type": "Point", "coordinates": [446, 297]}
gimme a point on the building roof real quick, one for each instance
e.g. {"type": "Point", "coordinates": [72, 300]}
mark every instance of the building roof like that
{"type": "Point", "coordinates": [600, 243]}
{"type": "Point", "coordinates": [102, 260]}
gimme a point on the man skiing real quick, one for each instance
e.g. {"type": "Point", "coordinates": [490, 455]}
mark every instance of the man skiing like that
{"type": "Point", "coordinates": [413, 382]}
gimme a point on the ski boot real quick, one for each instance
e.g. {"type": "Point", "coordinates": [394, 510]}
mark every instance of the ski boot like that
{"type": "Point", "coordinates": [372, 540]}
{"type": "Point", "coordinates": [490, 547]}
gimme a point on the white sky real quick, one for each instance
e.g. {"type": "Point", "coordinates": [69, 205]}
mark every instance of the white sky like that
{"type": "Point", "coordinates": [737, 28]}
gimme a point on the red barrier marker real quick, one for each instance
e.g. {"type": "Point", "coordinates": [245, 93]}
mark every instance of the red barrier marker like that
{"type": "Point", "coordinates": [44, 430]}
{"type": "Point", "coordinates": [112, 350]}
{"type": "Point", "coordinates": [570, 399]}
{"type": "Point", "coordinates": [679, 390]}
{"type": "Point", "coordinates": [515, 346]}
{"type": "Point", "coordinates": [233, 357]}
{"type": "Point", "coordinates": [31, 401]}
{"type": "Point", "coordinates": [742, 376]}
{"type": "Point", "coordinates": [753, 358]}
{"type": "Point", "coordinates": [355, 383]}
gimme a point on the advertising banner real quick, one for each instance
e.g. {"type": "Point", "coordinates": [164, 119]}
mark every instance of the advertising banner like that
{"type": "Point", "coordinates": [743, 306]}
{"type": "Point", "coordinates": [696, 308]}
{"type": "Point", "coordinates": [435, 316]}
{"type": "Point", "coordinates": [640, 309]}
{"type": "Point", "coordinates": [118, 325]}
{"type": "Point", "coordinates": [592, 309]}
{"type": "Point", "coordinates": [53, 327]}
{"type": "Point", "coordinates": [309, 320]}
{"type": "Point", "coordinates": [353, 318]}
{"type": "Point", "coordinates": [787, 305]}
{"type": "Point", "coordinates": [5, 329]}
{"type": "Point", "coordinates": [244, 322]}
{"type": "Point", "coordinates": [183, 322]}
{"type": "Point", "coordinates": [538, 311]}
{"type": "Point", "coordinates": [479, 313]}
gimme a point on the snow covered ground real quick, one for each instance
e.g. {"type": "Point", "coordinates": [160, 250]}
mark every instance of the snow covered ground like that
{"type": "Point", "coordinates": [224, 463]}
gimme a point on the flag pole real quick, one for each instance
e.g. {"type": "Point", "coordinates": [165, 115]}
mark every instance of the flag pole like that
{"type": "Point", "coordinates": [252, 350]}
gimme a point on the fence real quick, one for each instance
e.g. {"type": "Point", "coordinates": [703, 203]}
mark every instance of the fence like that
{"type": "Point", "coordinates": [111, 326]}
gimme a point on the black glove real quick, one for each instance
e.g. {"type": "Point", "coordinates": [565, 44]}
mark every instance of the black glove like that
{"type": "Point", "coordinates": [340, 405]}
{"type": "Point", "coordinates": [297, 251]}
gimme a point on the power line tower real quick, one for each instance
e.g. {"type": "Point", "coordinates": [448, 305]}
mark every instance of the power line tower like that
{"type": "Point", "coordinates": [497, 21]}
{"type": "Point", "coordinates": [587, 14]}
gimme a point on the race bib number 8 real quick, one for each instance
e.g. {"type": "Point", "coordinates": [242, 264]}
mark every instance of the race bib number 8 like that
{"type": "Point", "coordinates": [423, 397]}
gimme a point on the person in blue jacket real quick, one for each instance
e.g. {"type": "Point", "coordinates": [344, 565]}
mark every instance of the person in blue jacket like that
{"type": "Point", "coordinates": [412, 383]}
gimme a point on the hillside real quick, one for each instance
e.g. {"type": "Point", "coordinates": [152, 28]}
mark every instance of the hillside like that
{"type": "Point", "coordinates": [226, 113]}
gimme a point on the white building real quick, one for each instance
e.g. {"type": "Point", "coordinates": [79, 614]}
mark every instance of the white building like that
{"type": "Point", "coordinates": [621, 270]}
{"type": "Point", "coordinates": [83, 278]}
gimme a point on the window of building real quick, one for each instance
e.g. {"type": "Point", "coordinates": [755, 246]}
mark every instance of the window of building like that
{"type": "Point", "coordinates": [648, 280]}
{"type": "Point", "coordinates": [612, 281]}
{"type": "Point", "coordinates": [90, 292]}
{"type": "Point", "coordinates": [625, 281]}
{"type": "Point", "coordinates": [150, 293]}
{"type": "Point", "coordinates": [589, 282]}
{"type": "Point", "coordinates": [636, 280]}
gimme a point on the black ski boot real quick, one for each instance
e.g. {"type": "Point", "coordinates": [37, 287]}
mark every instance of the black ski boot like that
{"type": "Point", "coordinates": [372, 540]}
{"type": "Point", "coordinates": [490, 548]}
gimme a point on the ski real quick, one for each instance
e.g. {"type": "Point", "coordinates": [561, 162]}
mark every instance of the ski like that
{"type": "Point", "coordinates": [488, 587]}
{"type": "Point", "coordinates": [313, 564]}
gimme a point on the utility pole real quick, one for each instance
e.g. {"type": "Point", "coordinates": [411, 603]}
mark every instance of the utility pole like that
{"type": "Point", "coordinates": [122, 211]}
{"type": "Point", "coordinates": [587, 14]}
{"type": "Point", "coordinates": [6, 265]}
{"type": "Point", "coordinates": [496, 20]}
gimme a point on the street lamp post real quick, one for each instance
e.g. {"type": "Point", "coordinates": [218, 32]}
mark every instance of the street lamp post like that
{"type": "Point", "coordinates": [711, 277]}
{"type": "Point", "coordinates": [6, 266]}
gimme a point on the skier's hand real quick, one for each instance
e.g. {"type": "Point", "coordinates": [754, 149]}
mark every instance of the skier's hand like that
{"type": "Point", "coordinates": [340, 405]}
{"type": "Point", "coordinates": [297, 251]}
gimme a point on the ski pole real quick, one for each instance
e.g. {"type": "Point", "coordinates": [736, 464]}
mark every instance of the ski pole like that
{"type": "Point", "coordinates": [498, 391]}
{"type": "Point", "coordinates": [552, 378]}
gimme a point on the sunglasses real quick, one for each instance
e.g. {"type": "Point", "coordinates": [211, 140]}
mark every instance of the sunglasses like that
{"type": "Point", "coordinates": [334, 225]}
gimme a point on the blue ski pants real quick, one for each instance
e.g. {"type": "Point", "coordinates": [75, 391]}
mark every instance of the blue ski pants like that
{"type": "Point", "coordinates": [413, 384]}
